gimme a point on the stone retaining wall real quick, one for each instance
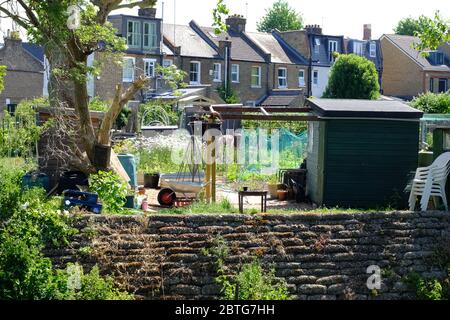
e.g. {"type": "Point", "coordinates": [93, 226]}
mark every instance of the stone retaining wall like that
{"type": "Point", "coordinates": [320, 256]}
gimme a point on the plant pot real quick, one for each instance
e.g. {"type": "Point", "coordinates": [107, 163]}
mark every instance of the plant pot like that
{"type": "Point", "coordinates": [273, 189]}
{"type": "Point", "coordinates": [151, 181]}
{"type": "Point", "coordinates": [282, 195]}
{"type": "Point", "coordinates": [129, 204]}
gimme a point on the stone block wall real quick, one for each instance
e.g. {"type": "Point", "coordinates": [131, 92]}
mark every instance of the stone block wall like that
{"type": "Point", "coordinates": [319, 256]}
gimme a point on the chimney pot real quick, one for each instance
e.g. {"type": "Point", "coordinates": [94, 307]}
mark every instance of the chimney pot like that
{"type": "Point", "coordinates": [367, 35]}
{"type": "Point", "coordinates": [236, 23]}
{"type": "Point", "coordinates": [147, 12]}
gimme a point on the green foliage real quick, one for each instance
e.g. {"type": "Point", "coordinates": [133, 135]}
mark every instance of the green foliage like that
{"type": "Point", "coordinates": [111, 190]}
{"type": "Point", "coordinates": [97, 104]}
{"type": "Point", "coordinates": [173, 76]}
{"type": "Point", "coordinates": [219, 12]}
{"type": "Point", "coordinates": [433, 33]}
{"type": "Point", "coordinates": [251, 283]}
{"type": "Point", "coordinates": [430, 289]}
{"type": "Point", "coordinates": [158, 113]}
{"type": "Point", "coordinates": [295, 127]}
{"type": "Point", "coordinates": [227, 94]}
{"type": "Point", "coordinates": [281, 17]}
{"type": "Point", "coordinates": [254, 283]}
{"type": "Point", "coordinates": [2, 77]}
{"type": "Point", "coordinates": [19, 133]}
{"type": "Point", "coordinates": [156, 160]}
{"type": "Point", "coordinates": [432, 102]}
{"type": "Point", "coordinates": [200, 207]}
{"type": "Point", "coordinates": [122, 118]}
{"type": "Point", "coordinates": [411, 26]}
{"type": "Point", "coordinates": [353, 77]}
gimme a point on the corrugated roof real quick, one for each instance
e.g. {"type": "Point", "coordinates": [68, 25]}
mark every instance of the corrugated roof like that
{"type": "Point", "coordinates": [405, 44]}
{"type": "Point", "coordinates": [240, 49]}
{"type": "Point", "coordinates": [343, 108]}
{"type": "Point", "coordinates": [271, 45]}
{"type": "Point", "coordinates": [192, 45]}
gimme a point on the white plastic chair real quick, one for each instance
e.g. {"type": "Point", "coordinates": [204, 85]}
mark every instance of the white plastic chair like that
{"type": "Point", "coordinates": [430, 182]}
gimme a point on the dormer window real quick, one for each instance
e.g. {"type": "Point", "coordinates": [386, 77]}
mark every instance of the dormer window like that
{"type": "Point", "coordinates": [134, 34]}
{"type": "Point", "coordinates": [150, 37]}
{"type": "Point", "coordinates": [332, 47]}
{"type": "Point", "coordinates": [439, 58]}
{"type": "Point", "coordinates": [373, 50]}
{"type": "Point", "coordinates": [435, 58]}
{"type": "Point", "coordinates": [316, 45]}
{"type": "Point", "coordinates": [357, 48]}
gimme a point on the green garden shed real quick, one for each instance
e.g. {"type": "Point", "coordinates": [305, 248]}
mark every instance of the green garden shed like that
{"type": "Point", "coordinates": [361, 153]}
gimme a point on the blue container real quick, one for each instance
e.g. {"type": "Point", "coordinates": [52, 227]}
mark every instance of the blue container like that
{"type": "Point", "coordinates": [128, 162]}
{"type": "Point", "coordinates": [36, 180]}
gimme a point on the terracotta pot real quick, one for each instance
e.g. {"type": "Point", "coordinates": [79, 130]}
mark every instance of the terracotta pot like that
{"type": "Point", "coordinates": [282, 194]}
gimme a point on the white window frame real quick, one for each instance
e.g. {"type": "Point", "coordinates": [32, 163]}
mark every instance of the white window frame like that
{"type": "Point", "coordinates": [315, 79]}
{"type": "Point", "coordinates": [167, 62]}
{"type": "Point", "coordinates": [151, 38]}
{"type": "Point", "coordinates": [445, 80]}
{"type": "Point", "coordinates": [147, 64]}
{"type": "Point", "coordinates": [217, 73]}
{"type": "Point", "coordinates": [316, 45]}
{"type": "Point", "coordinates": [235, 74]}
{"type": "Point", "coordinates": [135, 35]}
{"type": "Point", "coordinates": [373, 49]}
{"type": "Point", "coordinates": [285, 78]}
{"type": "Point", "coordinates": [358, 48]}
{"type": "Point", "coordinates": [301, 79]}
{"type": "Point", "coordinates": [332, 47]}
{"type": "Point", "coordinates": [132, 69]}
{"type": "Point", "coordinates": [199, 72]}
{"type": "Point", "coordinates": [258, 76]}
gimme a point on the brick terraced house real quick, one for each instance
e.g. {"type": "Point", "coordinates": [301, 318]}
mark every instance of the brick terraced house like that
{"type": "Point", "coordinates": [407, 73]}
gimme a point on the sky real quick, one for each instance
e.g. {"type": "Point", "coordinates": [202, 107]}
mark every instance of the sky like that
{"type": "Point", "coordinates": [338, 17]}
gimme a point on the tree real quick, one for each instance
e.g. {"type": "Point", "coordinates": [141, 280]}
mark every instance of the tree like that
{"type": "Point", "coordinates": [410, 26]}
{"type": "Point", "coordinates": [281, 17]}
{"type": "Point", "coordinates": [353, 77]}
{"type": "Point", "coordinates": [70, 31]}
{"type": "Point", "coordinates": [434, 33]}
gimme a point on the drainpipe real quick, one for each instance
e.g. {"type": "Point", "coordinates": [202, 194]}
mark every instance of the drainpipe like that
{"type": "Point", "coordinates": [226, 69]}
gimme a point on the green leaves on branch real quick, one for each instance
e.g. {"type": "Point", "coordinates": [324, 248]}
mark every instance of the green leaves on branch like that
{"type": "Point", "coordinates": [219, 12]}
{"type": "Point", "coordinates": [2, 77]}
{"type": "Point", "coordinates": [434, 33]}
{"type": "Point", "coordinates": [111, 190]}
{"type": "Point", "coordinates": [281, 17]}
{"type": "Point", "coordinates": [353, 77]}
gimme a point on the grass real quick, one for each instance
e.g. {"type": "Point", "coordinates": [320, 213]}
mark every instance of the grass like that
{"type": "Point", "coordinates": [225, 207]}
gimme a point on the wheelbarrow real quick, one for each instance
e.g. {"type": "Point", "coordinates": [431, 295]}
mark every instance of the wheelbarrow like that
{"type": "Point", "coordinates": [176, 184]}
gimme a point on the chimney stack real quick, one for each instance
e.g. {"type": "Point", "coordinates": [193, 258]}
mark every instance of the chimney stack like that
{"type": "Point", "coordinates": [12, 40]}
{"type": "Point", "coordinates": [147, 12]}
{"type": "Point", "coordinates": [313, 29]}
{"type": "Point", "coordinates": [367, 32]}
{"type": "Point", "coordinates": [236, 23]}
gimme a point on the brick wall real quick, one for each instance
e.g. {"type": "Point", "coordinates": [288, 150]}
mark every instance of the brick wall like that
{"type": "Point", "coordinates": [401, 75]}
{"type": "Point", "coordinates": [320, 256]}
{"type": "Point", "coordinates": [24, 76]}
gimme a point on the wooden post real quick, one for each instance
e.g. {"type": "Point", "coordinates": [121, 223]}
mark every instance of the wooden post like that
{"type": "Point", "coordinates": [208, 172]}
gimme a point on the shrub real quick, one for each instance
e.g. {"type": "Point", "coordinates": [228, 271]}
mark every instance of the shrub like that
{"type": "Point", "coordinates": [228, 95]}
{"type": "Point", "coordinates": [430, 289]}
{"type": "Point", "coordinates": [158, 113]}
{"type": "Point", "coordinates": [432, 102]}
{"type": "Point", "coordinates": [353, 77]}
{"type": "Point", "coordinates": [111, 190]}
{"type": "Point", "coordinates": [254, 283]}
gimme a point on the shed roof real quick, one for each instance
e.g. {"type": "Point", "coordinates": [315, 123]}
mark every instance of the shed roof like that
{"type": "Point", "coordinates": [348, 108]}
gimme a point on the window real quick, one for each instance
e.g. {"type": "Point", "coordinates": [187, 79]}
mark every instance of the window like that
{"type": "Point", "coordinates": [358, 48]}
{"type": "Point", "coordinates": [256, 77]}
{"type": "Point", "coordinates": [167, 63]}
{"type": "Point", "coordinates": [373, 49]}
{"type": "Point", "coordinates": [282, 78]}
{"type": "Point", "coordinates": [128, 69]}
{"type": "Point", "coordinates": [439, 58]}
{"type": "Point", "coordinates": [150, 37]}
{"type": "Point", "coordinates": [316, 77]}
{"type": "Point", "coordinates": [443, 85]}
{"type": "Point", "coordinates": [149, 67]}
{"type": "Point", "coordinates": [134, 34]}
{"type": "Point", "coordinates": [332, 47]}
{"type": "Point", "coordinates": [235, 73]}
{"type": "Point", "coordinates": [316, 45]}
{"type": "Point", "coordinates": [431, 84]}
{"type": "Point", "coordinates": [301, 78]}
{"type": "Point", "coordinates": [217, 72]}
{"type": "Point", "coordinates": [194, 72]}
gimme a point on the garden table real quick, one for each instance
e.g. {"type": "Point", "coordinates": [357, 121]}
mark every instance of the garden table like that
{"type": "Point", "coordinates": [262, 194]}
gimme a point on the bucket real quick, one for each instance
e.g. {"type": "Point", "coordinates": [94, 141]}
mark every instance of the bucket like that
{"type": "Point", "coordinates": [128, 162]}
{"type": "Point", "coordinates": [36, 179]}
